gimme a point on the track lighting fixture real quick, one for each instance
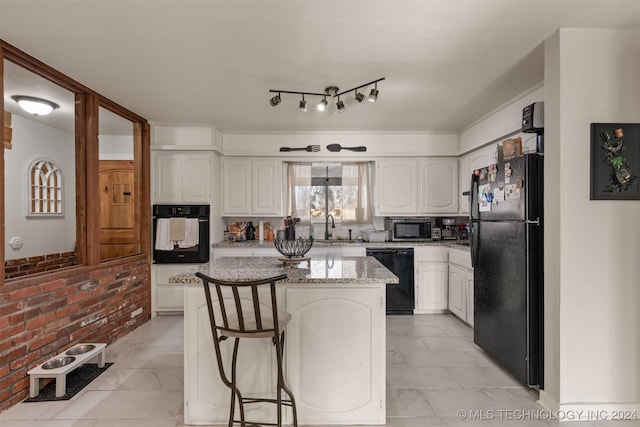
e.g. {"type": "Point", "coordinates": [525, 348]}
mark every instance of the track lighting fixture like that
{"type": "Point", "coordinates": [373, 95]}
{"type": "Point", "coordinates": [275, 100]}
{"type": "Point", "coordinates": [333, 92]}
{"type": "Point", "coordinates": [322, 105]}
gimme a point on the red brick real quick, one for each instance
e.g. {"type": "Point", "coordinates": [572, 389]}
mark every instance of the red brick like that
{"type": "Point", "coordinates": [50, 286]}
{"type": "Point", "coordinates": [36, 322]}
{"type": "Point", "coordinates": [23, 293]}
{"type": "Point", "coordinates": [78, 296]}
{"type": "Point", "coordinates": [12, 355]}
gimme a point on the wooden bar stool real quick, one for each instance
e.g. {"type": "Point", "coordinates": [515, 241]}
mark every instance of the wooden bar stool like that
{"type": "Point", "coordinates": [240, 309]}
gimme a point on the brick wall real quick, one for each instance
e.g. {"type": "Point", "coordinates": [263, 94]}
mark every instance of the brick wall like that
{"type": "Point", "coordinates": [38, 264]}
{"type": "Point", "coordinates": [40, 318]}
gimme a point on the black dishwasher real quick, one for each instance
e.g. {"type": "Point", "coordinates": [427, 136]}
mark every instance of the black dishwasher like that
{"type": "Point", "coordinates": [400, 298]}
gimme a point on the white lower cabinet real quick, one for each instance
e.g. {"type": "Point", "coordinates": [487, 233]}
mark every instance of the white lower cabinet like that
{"type": "Point", "coordinates": [334, 358]}
{"type": "Point", "coordinates": [431, 279]}
{"type": "Point", "coordinates": [461, 285]}
{"type": "Point", "coordinates": [457, 291]}
{"type": "Point", "coordinates": [335, 354]}
{"type": "Point", "coordinates": [166, 297]}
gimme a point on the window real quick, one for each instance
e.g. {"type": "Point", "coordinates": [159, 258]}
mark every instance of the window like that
{"type": "Point", "coordinates": [339, 189]}
{"type": "Point", "coordinates": [45, 188]}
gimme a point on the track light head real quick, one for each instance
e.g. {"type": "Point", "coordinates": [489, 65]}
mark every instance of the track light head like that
{"type": "Point", "coordinates": [360, 97]}
{"type": "Point", "coordinates": [340, 106]}
{"type": "Point", "coordinates": [275, 100]}
{"type": "Point", "coordinates": [373, 95]}
{"type": "Point", "coordinates": [303, 105]}
{"type": "Point", "coordinates": [322, 105]}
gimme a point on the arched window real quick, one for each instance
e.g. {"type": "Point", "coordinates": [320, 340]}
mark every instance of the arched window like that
{"type": "Point", "coordinates": [45, 189]}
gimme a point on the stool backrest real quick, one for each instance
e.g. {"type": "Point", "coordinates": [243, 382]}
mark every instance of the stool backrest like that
{"type": "Point", "coordinates": [242, 306]}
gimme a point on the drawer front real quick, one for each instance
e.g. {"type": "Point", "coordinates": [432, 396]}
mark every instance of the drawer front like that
{"type": "Point", "coordinates": [460, 257]}
{"type": "Point", "coordinates": [431, 254]}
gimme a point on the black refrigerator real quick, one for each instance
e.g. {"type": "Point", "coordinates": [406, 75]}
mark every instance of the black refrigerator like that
{"type": "Point", "coordinates": [506, 242]}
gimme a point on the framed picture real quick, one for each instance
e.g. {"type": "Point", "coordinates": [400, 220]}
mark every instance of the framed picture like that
{"type": "Point", "coordinates": [615, 161]}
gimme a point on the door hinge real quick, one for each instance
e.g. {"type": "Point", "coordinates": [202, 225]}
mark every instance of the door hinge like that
{"type": "Point", "coordinates": [381, 302]}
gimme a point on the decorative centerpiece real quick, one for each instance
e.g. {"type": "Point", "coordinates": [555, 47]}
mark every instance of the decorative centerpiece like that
{"type": "Point", "coordinates": [294, 251]}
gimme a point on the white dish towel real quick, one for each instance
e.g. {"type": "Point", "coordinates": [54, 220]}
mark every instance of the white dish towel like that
{"type": "Point", "coordinates": [163, 231]}
{"type": "Point", "coordinates": [191, 233]}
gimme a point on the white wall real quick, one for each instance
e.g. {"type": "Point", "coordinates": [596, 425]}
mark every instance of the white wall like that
{"type": "Point", "coordinates": [116, 147]}
{"type": "Point", "coordinates": [592, 268]}
{"type": "Point", "coordinates": [40, 235]}
{"type": "Point", "coordinates": [503, 121]}
{"type": "Point", "coordinates": [378, 144]}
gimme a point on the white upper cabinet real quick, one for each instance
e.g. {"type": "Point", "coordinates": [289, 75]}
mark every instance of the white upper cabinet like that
{"type": "Point", "coordinates": [181, 177]}
{"type": "Point", "coordinates": [236, 186]}
{"type": "Point", "coordinates": [417, 186]}
{"type": "Point", "coordinates": [464, 183]}
{"type": "Point", "coordinates": [397, 184]}
{"type": "Point", "coordinates": [439, 185]}
{"type": "Point", "coordinates": [251, 187]}
{"type": "Point", "coordinates": [266, 187]}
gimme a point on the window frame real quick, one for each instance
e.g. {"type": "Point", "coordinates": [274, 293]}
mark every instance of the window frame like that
{"type": "Point", "coordinates": [86, 159]}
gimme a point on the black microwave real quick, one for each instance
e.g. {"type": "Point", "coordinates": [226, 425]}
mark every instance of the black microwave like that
{"type": "Point", "coordinates": [409, 229]}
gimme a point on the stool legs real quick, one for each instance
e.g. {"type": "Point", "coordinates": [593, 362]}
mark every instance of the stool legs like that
{"type": "Point", "coordinates": [236, 395]}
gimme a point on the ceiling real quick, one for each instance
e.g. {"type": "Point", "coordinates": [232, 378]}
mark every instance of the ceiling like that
{"type": "Point", "coordinates": [446, 62]}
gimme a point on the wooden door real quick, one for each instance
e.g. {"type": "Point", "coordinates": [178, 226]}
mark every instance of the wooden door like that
{"type": "Point", "coordinates": [117, 209]}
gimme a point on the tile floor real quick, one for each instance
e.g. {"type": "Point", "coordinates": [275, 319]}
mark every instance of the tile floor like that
{"type": "Point", "coordinates": [433, 371]}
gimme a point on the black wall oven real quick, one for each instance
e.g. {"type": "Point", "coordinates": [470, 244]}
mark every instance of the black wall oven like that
{"type": "Point", "coordinates": [180, 234]}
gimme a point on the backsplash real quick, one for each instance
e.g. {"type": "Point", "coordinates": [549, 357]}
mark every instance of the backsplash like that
{"type": "Point", "coordinates": [302, 230]}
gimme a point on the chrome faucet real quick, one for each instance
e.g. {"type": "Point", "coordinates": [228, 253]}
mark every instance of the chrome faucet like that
{"type": "Point", "coordinates": [326, 226]}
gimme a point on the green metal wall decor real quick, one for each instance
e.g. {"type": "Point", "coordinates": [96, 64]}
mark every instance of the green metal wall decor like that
{"type": "Point", "coordinates": [615, 161]}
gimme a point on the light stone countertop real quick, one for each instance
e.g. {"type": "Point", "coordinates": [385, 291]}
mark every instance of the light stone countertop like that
{"type": "Point", "coordinates": [255, 244]}
{"type": "Point", "coordinates": [350, 270]}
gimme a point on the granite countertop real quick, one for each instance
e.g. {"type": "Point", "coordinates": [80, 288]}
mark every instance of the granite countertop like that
{"type": "Point", "coordinates": [255, 244]}
{"type": "Point", "coordinates": [350, 270]}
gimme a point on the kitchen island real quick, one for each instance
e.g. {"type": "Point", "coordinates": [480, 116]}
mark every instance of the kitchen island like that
{"type": "Point", "coordinates": [334, 347]}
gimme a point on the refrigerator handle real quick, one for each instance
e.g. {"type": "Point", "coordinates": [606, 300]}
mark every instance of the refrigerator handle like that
{"type": "Point", "coordinates": [474, 227]}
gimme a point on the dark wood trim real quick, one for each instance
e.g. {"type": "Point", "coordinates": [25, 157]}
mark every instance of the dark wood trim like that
{"type": "Point", "coordinates": [92, 179]}
{"type": "Point", "coordinates": [81, 184]}
{"type": "Point", "coordinates": [2, 216]}
{"type": "Point", "coordinates": [87, 179]}
{"type": "Point", "coordinates": [38, 67]}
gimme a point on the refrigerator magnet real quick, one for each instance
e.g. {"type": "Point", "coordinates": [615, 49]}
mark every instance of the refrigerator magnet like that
{"type": "Point", "coordinates": [498, 195]}
{"type": "Point", "coordinates": [511, 192]}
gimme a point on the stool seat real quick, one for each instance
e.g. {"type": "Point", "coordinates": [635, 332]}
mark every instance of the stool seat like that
{"type": "Point", "coordinates": [245, 310]}
{"type": "Point", "coordinates": [252, 331]}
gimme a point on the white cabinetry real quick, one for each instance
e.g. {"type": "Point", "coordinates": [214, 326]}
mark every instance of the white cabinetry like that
{"type": "Point", "coordinates": [334, 358]}
{"type": "Point", "coordinates": [431, 279]}
{"type": "Point", "coordinates": [397, 184]}
{"type": "Point", "coordinates": [417, 186]}
{"type": "Point", "coordinates": [439, 185]}
{"type": "Point", "coordinates": [166, 297]}
{"type": "Point", "coordinates": [461, 285]}
{"type": "Point", "coordinates": [464, 183]}
{"type": "Point", "coordinates": [251, 187]}
{"type": "Point", "coordinates": [343, 355]}
{"type": "Point", "coordinates": [181, 177]}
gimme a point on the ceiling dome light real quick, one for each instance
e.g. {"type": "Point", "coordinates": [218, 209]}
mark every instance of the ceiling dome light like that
{"type": "Point", "coordinates": [322, 105]}
{"type": "Point", "coordinates": [340, 106]}
{"type": "Point", "coordinates": [360, 97]}
{"type": "Point", "coordinates": [275, 100]}
{"type": "Point", "coordinates": [373, 95]}
{"type": "Point", "coordinates": [303, 105]}
{"type": "Point", "coordinates": [35, 106]}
